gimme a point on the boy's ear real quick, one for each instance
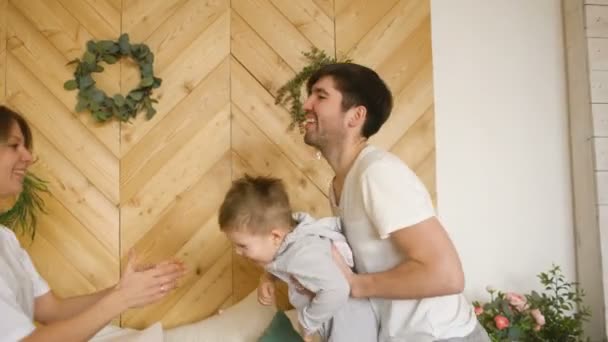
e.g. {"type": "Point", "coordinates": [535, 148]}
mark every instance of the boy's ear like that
{"type": "Point", "coordinates": [277, 235]}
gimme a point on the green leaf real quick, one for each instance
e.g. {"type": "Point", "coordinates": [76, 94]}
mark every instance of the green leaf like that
{"type": "Point", "coordinates": [102, 115]}
{"type": "Point", "coordinates": [157, 82]}
{"type": "Point", "coordinates": [136, 95]}
{"type": "Point", "coordinates": [70, 85]}
{"type": "Point", "coordinates": [119, 100]}
{"type": "Point", "coordinates": [104, 45]}
{"type": "Point", "coordinates": [109, 59]}
{"type": "Point", "coordinates": [98, 68]}
{"type": "Point", "coordinates": [146, 82]}
{"type": "Point", "coordinates": [89, 58]}
{"type": "Point", "coordinates": [85, 81]}
{"type": "Point", "coordinates": [91, 47]}
{"type": "Point", "coordinates": [123, 43]}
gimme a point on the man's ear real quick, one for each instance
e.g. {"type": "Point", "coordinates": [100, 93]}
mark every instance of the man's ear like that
{"type": "Point", "coordinates": [357, 118]}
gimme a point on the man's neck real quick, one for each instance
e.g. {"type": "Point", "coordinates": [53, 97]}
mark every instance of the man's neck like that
{"type": "Point", "coordinates": [341, 158]}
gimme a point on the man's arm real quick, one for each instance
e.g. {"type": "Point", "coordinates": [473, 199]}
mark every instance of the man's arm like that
{"type": "Point", "coordinates": [431, 266]}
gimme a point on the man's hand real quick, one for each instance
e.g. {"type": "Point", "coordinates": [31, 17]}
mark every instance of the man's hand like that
{"type": "Point", "coordinates": [350, 276]}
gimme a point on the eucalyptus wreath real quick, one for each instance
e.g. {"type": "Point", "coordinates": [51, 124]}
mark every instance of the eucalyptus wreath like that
{"type": "Point", "coordinates": [290, 94]}
{"type": "Point", "coordinates": [21, 218]}
{"type": "Point", "coordinates": [95, 100]}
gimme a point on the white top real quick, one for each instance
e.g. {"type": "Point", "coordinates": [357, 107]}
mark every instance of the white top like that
{"type": "Point", "coordinates": [380, 196]}
{"type": "Point", "coordinates": [20, 283]}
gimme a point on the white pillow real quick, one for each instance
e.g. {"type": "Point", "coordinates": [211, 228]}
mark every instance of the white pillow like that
{"type": "Point", "coordinates": [242, 322]}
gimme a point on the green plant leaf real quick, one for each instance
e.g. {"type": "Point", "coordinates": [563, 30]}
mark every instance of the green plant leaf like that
{"type": "Point", "coordinates": [22, 217]}
{"type": "Point", "coordinates": [70, 85]}
{"type": "Point", "coordinates": [89, 58]}
{"type": "Point", "coordinates": [136, 95]}
{"type": "Point", "coordinates": [109, 59]}
{"type": "Point", "coordinates": [119, 100]}
{"type": "Point", "coordinates": [146, 82]}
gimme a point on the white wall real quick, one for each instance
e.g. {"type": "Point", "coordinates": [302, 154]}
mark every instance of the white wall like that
{"type": "Point", "coordinates": [503, 180]}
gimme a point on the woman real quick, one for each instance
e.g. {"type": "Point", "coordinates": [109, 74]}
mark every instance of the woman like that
{"type": "Point", "coordinates": [25, 297]}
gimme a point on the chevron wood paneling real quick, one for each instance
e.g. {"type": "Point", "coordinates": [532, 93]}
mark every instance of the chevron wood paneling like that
{"type": "Point", "coordinates": [156, 185]}
{"type": "Point", "coordinates": [268, 38]}
{"type": "Point", "coordinates": [394, 38]}
{"type": "Point", "coordinates": [175, 168]}
{"type": "Point", "coordinates": [76, 245]}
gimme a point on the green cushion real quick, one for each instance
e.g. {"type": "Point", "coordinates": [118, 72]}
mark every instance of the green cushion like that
{"type": "Point", "coordinates": [280, 330]}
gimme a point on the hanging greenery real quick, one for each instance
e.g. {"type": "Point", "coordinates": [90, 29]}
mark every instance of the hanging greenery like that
{"type": "Point", "coordinates": [21, 218]}
{"type": "Point", "coordinates": [290, 94]}
{"type": "Point", "coordinates": [101, 106]}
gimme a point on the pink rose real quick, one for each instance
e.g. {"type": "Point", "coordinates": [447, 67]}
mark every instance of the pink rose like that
{"type": "Point", "coordinates": [538, 317]}
{"type": "Point", "coordinates": [518, 301]}
{"type": "Point", "coordinates": [501, 322]}
{"type": "Point", "coordinates": [478, 310]}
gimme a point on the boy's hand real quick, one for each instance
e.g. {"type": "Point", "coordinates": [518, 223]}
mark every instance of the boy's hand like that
{"type": "Point", "coordinates": [306, 337]}
{"type": "Point", "coordinates": [266, 289]}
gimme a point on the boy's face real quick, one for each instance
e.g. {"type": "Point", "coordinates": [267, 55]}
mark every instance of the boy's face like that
{"type": "Point", "coordinates": [260, 248]}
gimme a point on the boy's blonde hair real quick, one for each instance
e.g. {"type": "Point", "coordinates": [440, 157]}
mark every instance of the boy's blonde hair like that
{"type": "Point", "coordinates": [255, 204]}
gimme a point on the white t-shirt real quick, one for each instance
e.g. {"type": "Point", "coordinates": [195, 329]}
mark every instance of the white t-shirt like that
{"type": "Point", "coordinates": [380, 196]}
{"type": "Point", "coordinates": [20, 283]}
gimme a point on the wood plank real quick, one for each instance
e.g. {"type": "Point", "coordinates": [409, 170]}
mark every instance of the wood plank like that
{"type": "Point", "coordinates": [599, 86]}
{"type": "Point", "coordinates": [259, 106]}
{"type": "Point", "coordinates": [205, 297]}
{"type": "Point", "coordinates": [142, 17]}
{"type": "Point", "coordinates": [260, 60]}
{"type": "Point", "coordinates": [38, 55]}
{"type": "Point", "coordinates": [601, 153]}
{"type": "Point", "coordinates": [174, 131]}
{"type": "Point", "coordinates": [598, 53]}
{"type": "Point", "coordinates": [199, 254]}
{"type": "Point", "coordinates": [63, 278]}
{"type": "Point", "coordinates": [596, 21]}
{"type": "Point", "coordinates": [586, 230]}
{"type": "Point", "coordinates": [100, 19]}
{"type": "Point", "coordinates": [408, 106]}
{"type": "Point", "coordinates": [3, 38]}
{"type": "Point", "coordinates": [175, 35]}
{"type": "Point", "coordinates": [181, 77]}
{"type": "Point", "coordinates": [275, 29]}
{"type": "Point", "coordinates": [172, 232]}
{"type": "Point", "coordinates": [403, 64]}
{"type": "Point", "coordinates": [600, 119]}
{"type": "Point", "coordinates": [46, 113]}
{"type": "Point", "coordinates": [265, 158]}
{"type": "Point", "coordinates": [418, 142]}
{"type": "Point", "coordinates": [389, 32]}
{"type": "Point", "coordinates": [327, 6]}
{"type": "Point", "coordinates": [355, 18]}
{"type": "Point", "coordinates": [425, 170]}
{"type": "Point", "coordinates": [74, 191]}
{"type": "Point", "coordinates": [111, 10]}
{"type": "Point", "coordinates": [601, 178]}
{"type": "Point", "coordinates": [152, 201]}
{"type": "Point", "coordinates": [310, 20]}
{"type": "Point", "coordinates": [78, 245]}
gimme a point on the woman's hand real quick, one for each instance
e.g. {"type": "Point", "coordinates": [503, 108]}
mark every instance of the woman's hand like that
{"type": "Point", "coordinates": [140, 286]}
{"type": "Point", "coordinates": [266, 289]}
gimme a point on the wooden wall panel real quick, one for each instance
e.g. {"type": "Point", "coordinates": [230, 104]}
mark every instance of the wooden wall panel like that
{"type": "Point", "coordinates": [156, 185]}
{"type": "Point", "coordinates": [394, 38]}
{"type": "Point", "coordinates": [76, 246]}
{"type": "Point", "coordinates": [175, 168]}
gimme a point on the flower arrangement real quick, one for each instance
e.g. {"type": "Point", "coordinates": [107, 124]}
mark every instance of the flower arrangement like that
{"type": "Point", "coordinates": [555, 315]}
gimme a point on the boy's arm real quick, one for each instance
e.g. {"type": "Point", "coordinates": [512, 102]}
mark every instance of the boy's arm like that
{"type": "Point", "coordinates": [312, 267]}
